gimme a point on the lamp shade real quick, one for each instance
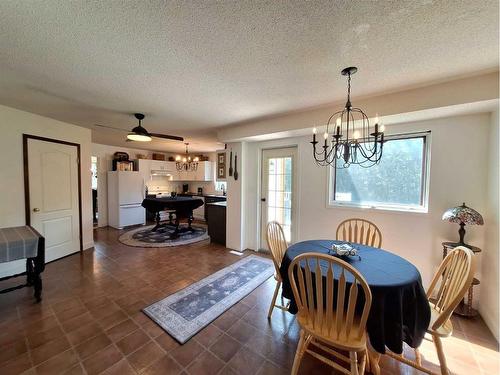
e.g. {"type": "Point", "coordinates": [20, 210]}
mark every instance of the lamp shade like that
{"type": "Point", "coordinates": [139, 134]}
{"type": "Point", "coordinates": [463, 215]}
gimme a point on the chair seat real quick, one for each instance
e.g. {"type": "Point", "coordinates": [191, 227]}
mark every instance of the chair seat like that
{"type": "Point", "coordinates": [350, 343]}
{"type": "Point", "coordinates": [444, 330]}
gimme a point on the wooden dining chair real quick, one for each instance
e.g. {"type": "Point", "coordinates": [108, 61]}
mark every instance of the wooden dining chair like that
{"type": "Point", "coordinates": [327, 324]}
{"type": "Point", "coordinates": [277, 245]}
{"type": "Point", "coordinates": [447, 289]}
{"type": "Point", "coordinates": [359, 231]}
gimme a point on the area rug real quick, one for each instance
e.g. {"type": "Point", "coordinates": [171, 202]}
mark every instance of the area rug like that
{"type": "Point", "coordinates": [144, 237]}
{"type": "Point", "coordinates": [186, 312]}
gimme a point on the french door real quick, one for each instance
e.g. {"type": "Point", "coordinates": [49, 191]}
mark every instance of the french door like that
{"type": "Point", "coordinates": [278, 194]}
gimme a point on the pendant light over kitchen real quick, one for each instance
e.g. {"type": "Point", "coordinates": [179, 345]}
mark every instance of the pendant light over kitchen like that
{"type": "Point", "coordinates": [185, 162]}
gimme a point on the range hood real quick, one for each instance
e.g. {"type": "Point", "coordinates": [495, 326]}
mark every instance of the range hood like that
{"type": "Point", "coordinates": [161, 172]}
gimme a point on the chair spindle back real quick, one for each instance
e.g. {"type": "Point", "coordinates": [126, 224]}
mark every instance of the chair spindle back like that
{"type": "Point", "coordinates": [276, 242]}
{"type": "Point", "coordinates": [359, 231]}
{"type": "Point", "coordinates": [315, 297]}
{"type": "Point", "coordinates": [455, 275]}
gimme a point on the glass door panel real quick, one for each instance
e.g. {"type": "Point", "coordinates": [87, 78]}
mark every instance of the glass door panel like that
{"type": "Point", "coordinates": [278, 190]}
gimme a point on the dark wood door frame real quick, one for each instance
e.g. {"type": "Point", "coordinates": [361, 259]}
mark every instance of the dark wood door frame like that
{"type": "Point", "coordinates": [27, 208]}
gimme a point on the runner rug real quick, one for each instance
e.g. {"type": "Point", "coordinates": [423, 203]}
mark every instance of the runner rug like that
{"type": "Point", "coordinates": [188, 311]}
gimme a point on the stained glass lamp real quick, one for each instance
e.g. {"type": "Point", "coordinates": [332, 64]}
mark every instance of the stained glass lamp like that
{"type": "Point", "coordinates": [463, 215]}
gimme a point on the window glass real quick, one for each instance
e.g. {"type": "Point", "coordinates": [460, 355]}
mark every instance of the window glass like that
{"type": "Point", "coordinates": [399, 181]}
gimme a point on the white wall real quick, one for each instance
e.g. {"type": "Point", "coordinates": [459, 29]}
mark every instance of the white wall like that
{"type": "Point", "coordinates": [13, 123]}
{"type": "Point", "coordinates": [458, 174]}
{"type": "Point", "coordinates": [105, 154]}
{"type": "Point", "coordinates": [236, 198]}
{"type": "Point", "coordinates": [489, 307]}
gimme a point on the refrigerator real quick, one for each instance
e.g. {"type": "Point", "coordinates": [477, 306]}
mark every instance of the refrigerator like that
{"type": "Point", "coordinates": [125, 194]}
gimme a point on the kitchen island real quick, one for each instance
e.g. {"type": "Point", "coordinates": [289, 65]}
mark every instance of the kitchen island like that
{"type": "Point", "coordinates": [182, 206]}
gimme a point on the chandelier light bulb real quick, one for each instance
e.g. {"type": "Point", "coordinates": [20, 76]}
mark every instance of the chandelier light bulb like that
{"type": "Point", "coordinates": [315, 130]}
{"type": "Point", "coordinates": [382, 128]}
{"type": "Point", "coordinates": [339, 121]}
{"type": "Point", "coordinates": [325, 135]}
{"type": "Point", "coordinates": [376, 119]}
{"type": "Point", "coordinates": [356, 134]}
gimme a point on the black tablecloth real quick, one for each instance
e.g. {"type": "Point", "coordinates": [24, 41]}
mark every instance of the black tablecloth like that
{"type": "Point", "coordinates": [400, 311]}
{"type": "Point", "coordinates": [183, 206]}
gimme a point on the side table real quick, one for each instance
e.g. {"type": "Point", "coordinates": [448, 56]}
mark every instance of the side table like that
{"type": "Point", "coordinates": [464, 308]}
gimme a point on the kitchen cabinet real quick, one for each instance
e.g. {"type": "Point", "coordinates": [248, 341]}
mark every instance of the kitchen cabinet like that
{"type": "Point", "coordinates": [212, 199]}
{"type": "Point", "coordinates": [144, 168]}
{"type": "Point", "coordinates": [147, 168]}
{"type": "Point", "coordinates": [217, 222]}
{"type": "Point", "coordinates": [159, 165]}
{"type": "Point", "coordinates": [204, 172]}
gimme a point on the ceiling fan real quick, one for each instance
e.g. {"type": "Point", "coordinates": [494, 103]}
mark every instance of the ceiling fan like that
{"type": "Point", "coordinates": [140, 134]}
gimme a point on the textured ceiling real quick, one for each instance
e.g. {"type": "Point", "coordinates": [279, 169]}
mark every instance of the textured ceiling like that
{"type": "Point", "coordinates": [192, 66]}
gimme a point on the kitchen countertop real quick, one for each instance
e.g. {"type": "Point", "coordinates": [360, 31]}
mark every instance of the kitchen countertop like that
{"type": "Point", "coordinates": [204, 195]}
{"type": "Point", "coordinates": [222, 204]}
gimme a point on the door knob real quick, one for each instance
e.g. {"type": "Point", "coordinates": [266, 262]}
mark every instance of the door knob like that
{"type": "Point", "coordinates": [36, 209]}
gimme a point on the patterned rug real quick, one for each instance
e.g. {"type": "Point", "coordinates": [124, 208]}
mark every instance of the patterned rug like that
{"type": "Point", "coordinates": [186, 312]}
{"type": "Point", "coordinates": [144, 237]}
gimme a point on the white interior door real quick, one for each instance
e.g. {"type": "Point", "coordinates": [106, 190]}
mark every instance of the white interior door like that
{"type": "Point", "coordinates": [53, 198]}
{"type": "Point", "coordinates": [279, 192]}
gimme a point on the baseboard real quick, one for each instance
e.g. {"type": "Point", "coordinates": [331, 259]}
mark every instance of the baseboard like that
{"type": "Point", "coordinates": [88, 245]}
{"type": "Point", "coordinates": [234, 252]}
{"type": "Point", "coordinates": [491, 323]}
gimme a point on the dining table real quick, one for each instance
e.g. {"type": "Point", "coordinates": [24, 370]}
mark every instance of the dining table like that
{"type": "Point", "coordinates": [400, 311]}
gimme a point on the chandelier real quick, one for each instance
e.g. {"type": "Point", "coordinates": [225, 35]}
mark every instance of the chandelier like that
{"type": "Point", "coordinates": [186, 163]}
{"type": "Point", "coordinates": [351, 140]}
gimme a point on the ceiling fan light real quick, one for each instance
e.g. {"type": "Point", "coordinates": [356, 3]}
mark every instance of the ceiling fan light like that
{"type": "Point", "coordinates": [139, 137]}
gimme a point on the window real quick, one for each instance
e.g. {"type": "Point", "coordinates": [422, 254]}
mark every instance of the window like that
{"type": "Point", "coordinates": [93, 169]}
{"type": "Point", "coordinates": [221, 186]}
{"type": "Point", "coordinates": [399, 182]}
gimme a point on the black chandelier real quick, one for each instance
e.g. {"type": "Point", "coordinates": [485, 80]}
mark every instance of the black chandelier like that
{"type": "Point", "coordinates": [352, 141]}
{"type": "Point", "coordinates": [186, 163]}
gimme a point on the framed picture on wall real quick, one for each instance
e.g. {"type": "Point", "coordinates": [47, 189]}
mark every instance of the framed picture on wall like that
{"type": "Point", "coordinates": [221, 165]}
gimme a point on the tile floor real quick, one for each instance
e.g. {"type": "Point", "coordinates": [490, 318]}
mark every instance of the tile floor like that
{"type": "Point", "coordinates": [90, 321]}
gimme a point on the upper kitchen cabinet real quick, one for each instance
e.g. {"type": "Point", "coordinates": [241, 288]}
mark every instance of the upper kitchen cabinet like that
{"type": "Point", "coordinates": [204, 172]}
{"type": "Point", "coordinates": [167, 166]}
{"type": "Point", "coordinates": [148, 168]}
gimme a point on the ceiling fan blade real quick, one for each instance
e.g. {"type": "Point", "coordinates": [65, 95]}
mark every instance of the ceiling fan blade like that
{"type": "Point", "coordinates": [110, 127]}
{"type": "Point", "coordinates": [165, 136]}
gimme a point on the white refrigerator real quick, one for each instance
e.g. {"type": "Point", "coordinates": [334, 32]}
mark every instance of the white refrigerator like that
{"type": "Point", "coordinates": [125, 194]}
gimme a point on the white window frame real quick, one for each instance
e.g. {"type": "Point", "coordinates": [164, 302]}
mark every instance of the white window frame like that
{"type": "Point", "coordinates": [423, 208]}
